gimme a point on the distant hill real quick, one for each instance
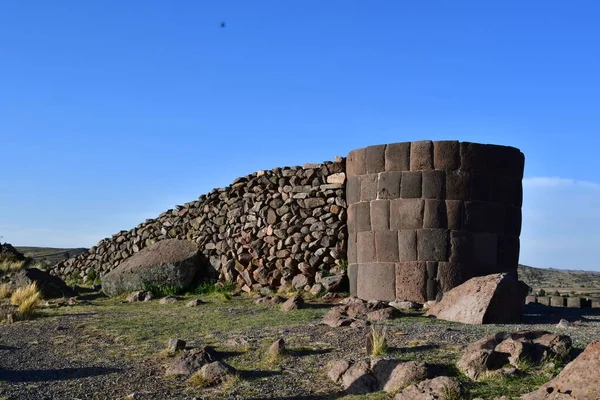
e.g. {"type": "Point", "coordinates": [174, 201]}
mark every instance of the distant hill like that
{"type": "Point", "coordinates": [563, 281]}
{"type": "Point", "coordinates": [50, 255]}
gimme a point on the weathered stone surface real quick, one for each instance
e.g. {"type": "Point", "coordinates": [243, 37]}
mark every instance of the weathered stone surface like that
{"type": "Point", "coordinates": [421, 155]}
{"type": "Point", "coordinates": [277, 348]}
{"type": "Point", "coordinates": [397, 157]}
{"type": "Point", "coordinates": [406, 214]}
{"type": "Point", "coordinates": [337, 369]}
{"type": "Point", "coordinates": [170, 262]}
{"type": "Point", "coordinates": [389, 185]}
{"type": "Point", "coordinates": [375, 159]}
{"type": "Point", "coordinates": [358, 379]}
{"type": "Point", "coordinates": [393, 375]}
{"type": "Point", "coordinates": [216, 372]}
{"type": "Point", "coordinates": [446, 155]}
{"type": "Point", "coordinates": [411, 185]}
{"type": "Point", "coordinates": [376, 281]}
{"type": "Point", "coordinates": [293, 303]}
{"type": "Point", "coordinates": [578, 380]}
{"type": "Point", "coordinates": [496, 298]}
{"type": "Point", "coordinates": [189, 361]}
{"type": "Point", "coordinates": [438, 388]}
{"type": "Point", "coordinates": [175, 345]}
{"type": "Point", "coordinates": [142, 295]}
{"type": "Point", "coordinates": [411, 281]}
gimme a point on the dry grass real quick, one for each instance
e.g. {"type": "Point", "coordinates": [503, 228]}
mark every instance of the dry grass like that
{"type": "Point", "coordinates": [23, 293]}
{"type": "Point", "coordinates": [5, 291]}
{"type": "Point", "coordinates": [379, 336]}
{"type": "Point", "coordinates": [29, 305]}
{"type": "Point", "coordinates": [197, 380]}
{"type": "Point", "coordinates": [11, 266]}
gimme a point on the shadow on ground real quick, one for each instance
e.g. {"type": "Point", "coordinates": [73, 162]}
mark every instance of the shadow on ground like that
{"type": "Point", "coordinates": [41, 375]}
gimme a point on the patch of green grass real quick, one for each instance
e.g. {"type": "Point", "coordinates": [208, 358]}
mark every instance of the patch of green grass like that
{"type": "Point", "coordinates": [163, 290]}
{"type": "Point", "coordinates": [512, 386]}
{"type": "Point", "coordinates": [212, 287]}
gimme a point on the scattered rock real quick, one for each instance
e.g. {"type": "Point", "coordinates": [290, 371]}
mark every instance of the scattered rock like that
{"type": "Point", "coordinates": [335, 283]}
{"type": "Point", "coordinates": [169, 300]}
{"type": "Point", "coordinates": [293, 303]}
{"type": "Point", "coordinates": [493, 352]}
{"type": "Point", "coordinates": [564, 324]}
{"type": "Point", "coordinates": [358, 379]}
{"type": "Point", "coordinates": [336, 317]}
{"type": "Point", "coordinates": [142, 295]}
{"type": "Point", "coordinates": [428, 304]}
{"type": "Point", "coordinates": [393, 375]}
{"type": "Point", "coordinates": [277, 348]}
{"type": "Point", "coordinates": [490, 299]}
{"type": "Point", "coordinates": [50, 286]}
{"type": "Point", "coordinates": [439, 388]}
{"type": "Point", "coordinates": [382, 314]}
{"type": "Point", "coordinates": [268, 300]}
{"type": "Point", "coordinates": [170, 262]}
{"type": "Point", "coordinates": [337, 369]}
{"type": "Point", "coordinates": [404, 305]}
{"type": "Point", "coordinates": [194, 303]}
{"type": "Point", "coordinates": [175, 345]}
{"type": "Point", "coordinates": [578, 380]}
{"type": "Point", "coordinates": [189, 361]}
{"type": "Point", "coordinates": [316, 289]}
{"type": "Point", "coordinates": [216, 372]}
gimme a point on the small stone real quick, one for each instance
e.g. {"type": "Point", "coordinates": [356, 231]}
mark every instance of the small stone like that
{"type": "Point", "coordinates": [216, 372]}
{"type": "Point", "coordinates": [175, 345]}
{"type": "Point", "coordinates": [277, 348]}
{"type": "Point", "coordinates": [168, 300]}
{"type": "Point", "coordinates": [337, 369]}
{"type": "Point", "coordinates": [316, 289]}
{"type": "Point", "coordinates": [194, 303]}
{"type": "Point", "coordinates": [404, 305]}
{"type": "Point", "coordinates": [293, 303]}
{"type": "Point", "coordinates": [564, 324]}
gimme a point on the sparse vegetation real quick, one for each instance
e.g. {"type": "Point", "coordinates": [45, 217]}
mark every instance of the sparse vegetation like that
{"type": "Point", "coordinates": [7, 266]}
{"type": "Point", "coordinates": [23, 293]}
{"type": "Point", "coordinates": [27, 299]}
{"type": "Point", "coordinates": [379, 337]}
{"type": "Point", "coordinates": [5, 290]}
{"type": "Point", "coordinates": [197, 380]}
{"type": "Point", "coordinates": [163, 290]}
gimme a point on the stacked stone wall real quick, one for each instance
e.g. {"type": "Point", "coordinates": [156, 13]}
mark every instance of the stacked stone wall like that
{"type": "Point", "coordinates": [426, 216]}
{"type": "Point", "coordinates": [282, 226]}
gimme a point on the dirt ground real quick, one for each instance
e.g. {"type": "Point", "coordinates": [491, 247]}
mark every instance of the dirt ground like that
{"type": "Point", "coordinates": [104, 348]}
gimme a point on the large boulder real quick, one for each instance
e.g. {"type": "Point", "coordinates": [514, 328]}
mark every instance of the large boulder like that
{"type": "Point", "coordinates": [439, 388]}
{"type": "Point", "coordinates": [490, 299]}
{"type": "Point", "coordinates": [50, 286]}
{"type": "Point", "coordinates": [578, 380]}
{"type": "Point", "coordinates": [497, 350]}
{"type": "Point", "coordinates": [170, 262]}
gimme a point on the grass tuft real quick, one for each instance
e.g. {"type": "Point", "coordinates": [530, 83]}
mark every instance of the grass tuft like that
{"type": "Point", "coordinates": [163, 290]}
{"type": "Point", "coordinates": [11, 266]}
{"type": "Point", "coordinates": [29, 306]}
{"type": "Point", "coordinates": [197, 380]}
{"type": "Point", "coordinates": [23, 293]}
{"type": "Point", "coordinates": [5, 291]}
{"type": "Point", "coordinates": [379, 336]}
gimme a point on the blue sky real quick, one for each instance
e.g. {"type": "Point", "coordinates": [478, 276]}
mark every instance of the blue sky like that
{"type": "Point", "coordinates": [112, 112]}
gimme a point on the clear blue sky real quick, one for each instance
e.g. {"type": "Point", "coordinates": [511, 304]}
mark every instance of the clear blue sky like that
{"type": "Point", "coordinates": [112, 112]}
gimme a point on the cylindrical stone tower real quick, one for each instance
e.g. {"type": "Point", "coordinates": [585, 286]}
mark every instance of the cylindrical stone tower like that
{"type": "Point", "coordinates": [424, 217]}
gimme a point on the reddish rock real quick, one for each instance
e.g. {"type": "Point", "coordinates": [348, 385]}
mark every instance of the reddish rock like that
{"type": "Point", "coordinates": [490, 299]}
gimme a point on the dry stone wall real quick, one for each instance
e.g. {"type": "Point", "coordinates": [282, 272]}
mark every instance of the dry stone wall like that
{"type": "Point", "coordinates": [425, 216]}
{"type": "Point", "coordinates": [282, 226]}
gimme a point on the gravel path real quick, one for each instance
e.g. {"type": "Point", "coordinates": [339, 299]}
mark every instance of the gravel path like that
{"type": "Point", "coordinates": [58, 358]}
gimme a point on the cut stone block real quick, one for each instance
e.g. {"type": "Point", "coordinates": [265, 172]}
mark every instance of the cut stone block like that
{"type": "Point", "coordinates": [484, 248]}
{"type": "Point", "coordinates": [397, 157]}
{"type": "Point", "coordinates": [351, 218]}
{"type": "Point", "coordinates": [362, 216]}
{"type": "Point", "coordinates": [460, 247]}
{"type": "Point", "coordinates": [410, 185]}
{"type": "Point", "coordinates": [407, 245]}
{"type": "Point", "coordinates": [375, 159]}
{"type": "Point", "coordinates": [352, 277]}
{"type": "Point", "coordinates": [574, 302]}
{"type": "Point", "coordinates": [507, 191]}
{"type": "Point", "coordinates": [380, 215]}
{"type": "Point", "coordinates": [449, 275]}
{"type": "Point", "coordinates": [434, 183]}
{"type": "Point", "coordinates": [483, 217]}
{"type": "Point", "coordinates": [353, 190]}
{"type": "Point", "coordinates": [481, 187]}
{"type": "Point", "coordinates": [544, 300]}
{"type": "Point", "coordinates": [473, 157]}
{"type": "Point", "coordinates": [386, 246]}
{"type": "Point", "coordinates": [368, 187]}
{"type": "Point", "coordinates": [376, 281]}
{"type": "Point", "coordinates": [389, 185]}
{"type": "Point", "coordinates": [435, 214]}
{"type": "Point", "coordinates": [406, 214]}
{"type": "Point", "coordinates": [508, 251]}
{"type": "Point", "coordinates": [558, 301]}
{"type": "Point", "coordinates": [356, 163]}
{"type": "Point", "coordinates": [352, 248]}
{"type": "Point", "coordinates": [421, 155]}
{"type": "Point", "coordinates": [411, 281]}
{"type": "Point", "coordinates": [433, 244]}
{"type": "Point", "coordinates": [446, 155]}
{"type": "Point", "coordinates": [365, 251]}
{"type": "Point", "coordinates": [458, 185]}
{"type": "Point", "coordinates": [454, 214]}
{"type": "Point", "coordinates": [512, 223]}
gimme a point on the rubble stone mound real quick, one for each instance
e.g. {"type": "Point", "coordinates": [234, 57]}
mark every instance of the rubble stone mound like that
{"type": "Point", "coordinates": [490, 299]}
{"type": "Point", "coordinates": [50, 286]}
{"type": "Point", "coordinates": [170, 262]}
{"type": "Point", "coordinates": [578, 380]}
{"type": "Point", "coordinates": [495, 351]}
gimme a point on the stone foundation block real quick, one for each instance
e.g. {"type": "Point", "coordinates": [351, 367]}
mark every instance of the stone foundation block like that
{"type": "Point", "coordinates": [397, 157]}
{"type": "Point", "coordinates": [388, 186]}
{"type": "Point", "coordinates": [544, 300]}
{"type": "Point", "coordinates": [454, 214]}
{"type": "Point", "coordinates": [512, 221]}
{"type": "Point", "coordinates": [446, 155]}
{"type": "Point", "coordinates": [410, 185]}
{"type": "Point", "coordinates": [380, 215]}
{"type": "Point", "coordinates": [558, 301]}
{"type": "Point", "coordinates": [421, 155]}
{"type": "Point", "coordinates": [375, 159]}
{"type": "Point", "coordinates": [435, 215]}
{"type": "Point", "coordinates": [507, 191]}
{"type": "Point", "coordinates": [473, 157]}
{"type": "Point", "coordinates": [484, 248]}
{"type": "Point", "coordinates": [508, 251]}
{"type": "Point", "coordinates": [386, 246]}
{"type": "Point", "coordinates": [407, 245]}
{"type": "Point", "coordinates": [411, 281]}
{"type": "Point", "coordinates": [483, 217]}
{"type": "Point", "coordinates": [481, 187]}
{"type": "Point", "coordinates": [461, 244]}
{"type": "Point", "coordinates": [352, 248]}
{"type": "Point", "coordinates": [433, 244]}
{"type": "Point", "coordinates": [365, 251]}
{"type": "Point", "coordinates": [356, 163]}
{"type": "Point", "coordinates": [434, 184]}
{"type": "Point", "coordinates": [449, 275]}
{"type": "Point", "coordinates": [368, 187]}
{"type": "Point", "coordinates": [458, 185]}
{"type": "Point", "coordinates": [352, 277]}
{"type": "Point", "coordinates": [574, 302]}
{"type": "Point", "coordinates": [375, 281]}
{"type": "Point", "coordinates": [406, 214]}
{"type": "Point", "coordinates": [530, 299]}
{"type": "Point", "coordinates": [362, 216]}
{"type": "Point", "coordinates": [353, 190]}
